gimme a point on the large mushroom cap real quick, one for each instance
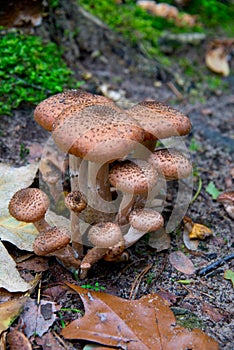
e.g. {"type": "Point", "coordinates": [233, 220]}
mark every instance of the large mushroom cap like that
{"type": "Point", "coordinates": [172, 164]}
{"type": "Point", "coordinates": [146, 220]}
{"type": "Point", "coordinates": [98, 133]}
{"type": "Point", "coordinates": [136, 176]}
{"type": "Point", "coordinates": [159, 120]}
{"type": "Point", "coordinates": [76, 201]}
{"type": "Point", "coordinates": [48, 110]}
{"type": "Point", "coordinates": [50, 241]}
{"type": "Point", "coordinates": [105, 234]}
{"type": "Point", "coordinates": [29, 204]}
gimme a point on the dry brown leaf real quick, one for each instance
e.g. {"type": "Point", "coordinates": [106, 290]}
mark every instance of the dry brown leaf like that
{"type": "Point", "coordinates": [17, 340]}
{"type": "Point", "coordinates": [144, 324]}
{"type": "Point", "coordinates": [9, 311]}
{"type": "Point", "coordinates": [38, 318]}
{"type": "Point", "coordinates": [181, 263]}
{"type": "Point", "coordinates": [50, 342]}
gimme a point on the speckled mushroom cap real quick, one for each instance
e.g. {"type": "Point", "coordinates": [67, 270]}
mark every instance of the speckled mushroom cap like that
{"type": "Point", "coordinates": [146, 220]}
{"type": "Point", "coordinates": [29, 204]}
{"type": "Point", "coordinates": [98, 133]}
{"type": "Point", "coordinates": [172, 164]}
{"type": "Point", "coordinates": [51, 240]}
{"type": "Point", "coordinates": [159, 120]}
{"type": "Point", "coordinates": [48, 110]}
{"type": "Point", "coordinates": [226, 197]}
{"type": "Point", "coordinates": [76, 201]}
{"type": "Point", "coordinates": [136, 176]}
{"type": "Point", "coordinates": [105, 234]}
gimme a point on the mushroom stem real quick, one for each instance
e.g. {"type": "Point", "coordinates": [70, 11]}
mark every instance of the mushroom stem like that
{"type": "Point", "coordinates": [93, 256]}
{"type": "Point", "coordinates": [77, 181]}
{"type": "Point", "coordinates": [132, 236]}
{"type": "Point", "coordinates": [125, 208]}
{"type": "Point", "coordinates": [67, 256]}
{"type": "Point", "coordinates": [76, 202]}
{"type": "Point", "coordinates": [41, 225]}
{"type": "Point", "coordinates": [98, 185]}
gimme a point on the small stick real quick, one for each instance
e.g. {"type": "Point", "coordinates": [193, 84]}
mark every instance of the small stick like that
{"type": "Point", "coordinates": [214, 265]}
{"type": "Point", "coordinates": [136, 283]}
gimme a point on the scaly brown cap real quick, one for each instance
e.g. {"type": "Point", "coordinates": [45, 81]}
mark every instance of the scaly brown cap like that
{"type": "Point", "coordinates": [48, 110]}
{"type": "Point", "coordinates": [105, 234]}
{"type": "Point", "coordinates": [29, 204]}
{"type": "Point", "coordinates": [172, 164]}
{"type": "Point", "coordinates": [146, 220]}
{"type": "Point", "coordinates": [100, 133]}
{"type": "Point", "coordinates": [136, 176]}
{"type": "Point", "coordinates": [76, 201]}
{"type": "Point", "coordinates": [51, 240]}
{"type": "Point", "coordinates": [159, 120]}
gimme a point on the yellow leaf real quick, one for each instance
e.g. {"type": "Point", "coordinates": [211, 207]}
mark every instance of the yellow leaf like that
{"type": "Point", "coordinates": [9, 311]}
{"type": "Point", "coordinates": [200, 232]}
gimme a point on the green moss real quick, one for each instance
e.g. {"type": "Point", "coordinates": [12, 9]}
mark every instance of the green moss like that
{"type": "Point", "coordinates": [30, 70]}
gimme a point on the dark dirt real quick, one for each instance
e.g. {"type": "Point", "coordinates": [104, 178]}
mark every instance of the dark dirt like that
{"type": "Point", "coordinates": [208, 298]}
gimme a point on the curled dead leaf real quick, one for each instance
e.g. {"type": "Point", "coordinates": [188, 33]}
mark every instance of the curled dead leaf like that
{"type": "Point", "coordinates": [200, 232]}
{"type": "Point", "coordinates": [17, 340]}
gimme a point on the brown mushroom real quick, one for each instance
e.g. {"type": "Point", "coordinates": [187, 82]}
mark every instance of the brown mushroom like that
{"type": "Point", "coordinates": [55, 242]}
{"type": "Point", "coordinates": [132, 178]}
{"type": "Point", "coordinates": [99, 134]}
{"type": "Point", "coordinates": [76, 202]}
{"type": "Point", "coordinates": [159, 121]}
{"type": "Point", "coordinates": [30, 205]}
{"type": "Point", "coordinates": [142, 221]}
{"type": "Point", "coordinates": [171, 164]}
{"type": "Point", "coordinates": [105, 237]}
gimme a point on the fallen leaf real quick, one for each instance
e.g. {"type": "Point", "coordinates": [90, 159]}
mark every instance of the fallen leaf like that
{"type": "Point", "coordinates": [49, 342]}
{"type": "Point", "coordinates": [17, 340]}
{"type": "Point", "coordinates": [181, 263]}
{"type": "Point", "coordinates": [159, 240]}
{"type": "Point", "coordinates": [38, 318]}
{"type": "Point", "coordinates": [213, 312]}
{"type": "Point", "coordinates": [9, 276]}
{"type": "Point", "coordinates": [35, 264]}
{"type": "Point", "coordinates": [9, 311]}
{"type": "Point", "coordinates": [212, 190]}
{"type": "Point", "coordinates": [229, 275]}
{"type": "Point", "coordinates": [200, 232]}
{"type": "Point", "coordinates": [144, 324]}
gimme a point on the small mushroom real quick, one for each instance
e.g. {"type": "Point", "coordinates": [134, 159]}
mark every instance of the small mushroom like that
{"type": "Point", "coordinates": [142, 221]}
{"type": "Point", "coordinates": [159, 121]}
{"type": "Point", "coordinates": [105, 237]}
{"type": "Point", "coordinates": [30, 205]}
{"type": "Point", "coordinates": [76, 202]}
{"type": "Point", "coordinates": [136, 177]}
{"type": "Point", "coordinates": [55, 242]}
{"type": "Point", "coordinates": [227, 199]}
{"type": "Point", "coordinates": [171, 164]}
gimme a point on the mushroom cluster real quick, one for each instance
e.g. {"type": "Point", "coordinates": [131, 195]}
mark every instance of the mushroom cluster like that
{"type": "Point", "coordinates": [115, 171]}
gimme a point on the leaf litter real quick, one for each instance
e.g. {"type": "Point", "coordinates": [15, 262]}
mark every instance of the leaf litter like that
{"type": "Point", "coordinates": [144, 324]}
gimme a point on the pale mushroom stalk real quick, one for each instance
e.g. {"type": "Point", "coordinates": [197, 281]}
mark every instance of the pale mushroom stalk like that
{"type": "Point", "coordinates": [98, 186]}
{"type": "Point", "coordinates": [76, 202]}
{"type": "Point", "coordinates": [93, 255]}
{"type": "Point", "coordinates": [126, 206]}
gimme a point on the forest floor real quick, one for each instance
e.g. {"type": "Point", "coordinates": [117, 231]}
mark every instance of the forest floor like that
{"type": "Point", "coordinates": [209, 298]}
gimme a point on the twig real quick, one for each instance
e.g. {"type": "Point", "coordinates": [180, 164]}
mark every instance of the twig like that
{"type": "Point", "coordinates": [175, 90]}
{"type": "Point", "coordinates": [136, 283]}
{"type": "Point", "coordinates": [214, 265]}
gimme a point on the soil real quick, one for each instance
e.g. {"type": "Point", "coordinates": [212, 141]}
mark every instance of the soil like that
{"type": "Point", "coordinates": [208, 298]}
